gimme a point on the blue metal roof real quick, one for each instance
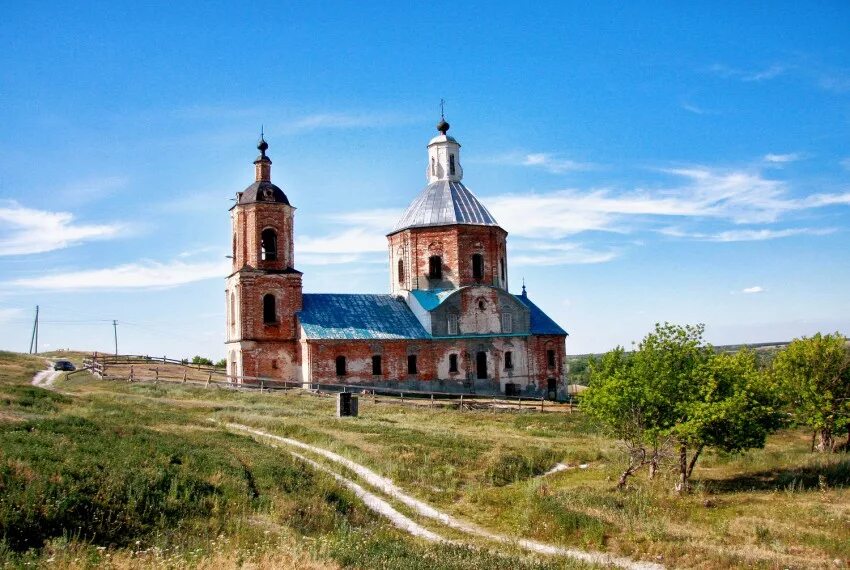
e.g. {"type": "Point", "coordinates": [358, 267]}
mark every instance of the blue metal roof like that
{"type": "Point", "coordinates": [430, 300]}
{"type": "Point", "coordinates": [540, 321]}
{"type": "Point", "coordinates": [442, 203]}
{"type": "Point", "coordinates": [362, 317]}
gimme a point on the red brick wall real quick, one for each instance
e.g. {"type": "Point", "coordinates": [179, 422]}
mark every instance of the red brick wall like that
{"type": "Point", "coordinates": [249, 221]}
{"type": "Point", "coordinates": [455, 244]}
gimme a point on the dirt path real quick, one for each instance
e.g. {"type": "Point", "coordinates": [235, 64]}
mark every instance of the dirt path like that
{"type": "Point", "coordinates": [46, 378]}
{"type": "Point", "coordinates": [424, 509]}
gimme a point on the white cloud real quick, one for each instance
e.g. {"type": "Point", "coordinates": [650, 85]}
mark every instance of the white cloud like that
{"type": "Point", "coordinates": [756, 75]}
{"type": "Point", "coordinates": [782, 158]}
{"type": "Point", "coordinates": [552, 163]}
{"type": "Point", "coordinates": [140, 275]}
{"type": "Point", "coordinates": [558, 253]}
{"type": "Point", "coordinates": [10, 313]}
{"type": "Point", "coordinates": [697, 110]}
{"type": "Point", "coordinates": [92, 189]}
{"type": "Point", "coordinates": [845, 163]}
{"type": "Point", "coordinates": [752, 290]}
{"type": "Point", "coordinates": [547, 161]}
{"type": "Point", "coordinates": [26, 231]}
{"type": "Point", "coordinates": [746, 234]}
{"type": "Point", "coordinates": [348, 121]}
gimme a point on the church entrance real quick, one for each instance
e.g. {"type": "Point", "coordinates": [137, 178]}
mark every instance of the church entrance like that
{"type": "Point", "coordinates": [551, 389]}
{"type": "Point", "coordinates": [481, 365]}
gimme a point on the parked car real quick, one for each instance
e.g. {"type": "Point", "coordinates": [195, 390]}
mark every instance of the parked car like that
{"type": "Point", "coordinates": [63, 365]}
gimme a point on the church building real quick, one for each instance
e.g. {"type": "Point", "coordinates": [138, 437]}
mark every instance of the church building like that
{"type": "Point", "coordinates": [449, 322]}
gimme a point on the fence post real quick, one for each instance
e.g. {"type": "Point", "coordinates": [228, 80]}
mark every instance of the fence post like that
{"type": "Point", "coordinates": [132, 374]}
{"type": "Point", "coordinates": [520, 402]}
{"type": "Point", "coordinates": [461, 403]}
{"type": "Point", "coordinates": [432, 400]}
{"type": "Point", "coordinates": [402, 397]}
{"type": "Point", "coordinates": [541, 403]}
{"type": "Point", "coordinates": [184, 375]}
{"type": "Point", "coordinates": [262, 384]}
{"type": "Point", "coordinates": [208, 380]}
{"type": "Point", "coordinates": [163, 360]}
{"type": "Point", "coordinates": [156, 379]}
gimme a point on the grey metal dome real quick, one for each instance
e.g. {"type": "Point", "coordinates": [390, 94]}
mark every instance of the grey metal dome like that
{"type": "Point", "coordinates": [445, 202]}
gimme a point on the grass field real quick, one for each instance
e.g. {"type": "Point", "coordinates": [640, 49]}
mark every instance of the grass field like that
{"type": "Point", "coordinates": [110, 473]}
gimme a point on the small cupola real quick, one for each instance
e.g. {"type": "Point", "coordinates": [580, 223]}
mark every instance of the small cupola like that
{"type": "Point", "coordinates": [263, 164]}
{"type": "Point", "coordinates": [443, 156]}
{"type": "Point", "coordinates": [262, 190]}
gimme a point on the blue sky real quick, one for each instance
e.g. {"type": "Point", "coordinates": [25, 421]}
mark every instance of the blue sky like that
{"type": "Point", "coordinates": [650, 162]}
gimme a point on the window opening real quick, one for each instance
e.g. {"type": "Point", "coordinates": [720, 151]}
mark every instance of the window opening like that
{"type": "Point", "coordinates": [452, 164]}
{"type": "Point", "coordinates": [435, 267]}
{"type": "Point", "coordinates": [453, 363]}
{"type": "Point", "coordinates": [376, 365]}
{"type": "Point", "coordinates": [340, 366]}
{"type": "Point", "coordinates": [477, 266]}
{"type": "Point", "coordinates": [269, 309]}
{"type": "Point", "coordinates": [411, 364]}
{"type": "Point", "coordinates": [401, 271]}
{"type": "Point", "coordinates": [481, 365]}
{"type": "Point", "coordinates": [509, 360]}
{"type": "Point", "coordinates": [502, 268]}
{"type": "Point", "coordinates": [550, 358]}
{"type": "Point", "coordinates": [433, 167]}
{"type": "Point", "coordinates": [482, 305]}
{"type": "Point", "coordinates": [268, 241]}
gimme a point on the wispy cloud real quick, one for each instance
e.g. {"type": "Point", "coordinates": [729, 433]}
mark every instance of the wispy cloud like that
{"type": "Point", "coordinates": [752, 290]}
{"type": "Point", "coordinates": [10, 313]}
{"type": "Point", "coordinates": [696, 109]}
{"type": "Point", "coordinates": [547, 161]}
{"type": "Point", "coordinates": [747, 234]}
{"type": "Point", "coordinates": [762, 74]}
{"type": "Point", "coordinates": [782, 158]}
{"type": "Point", "coordinates": [559, 253]}
{"type": "Point", "coordinates": [26, 231]}
{"type": "Point", "coordinates": [140, 275]}
{"type": "Point", "coordinates": [92, 189]}
{"type": "Point", "coordinates": [359, 243]}
{"type": "Point", "coordinates": [355, 120]}
{"type": "Point", "coordinates": [845, 163]}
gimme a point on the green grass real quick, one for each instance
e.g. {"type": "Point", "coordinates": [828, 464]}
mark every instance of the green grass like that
{"type": "Point", "coordinates": [137, 475]}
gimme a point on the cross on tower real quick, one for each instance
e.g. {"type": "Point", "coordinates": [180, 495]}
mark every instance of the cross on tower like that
{"type": "Point", "coordinates": [443, 109]}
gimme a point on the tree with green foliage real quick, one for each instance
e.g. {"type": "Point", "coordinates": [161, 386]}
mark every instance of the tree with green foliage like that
{"type": "Point", "coordinates": [814, 375]}
{"type": "Point", "coordinates": [674, 390]}
{"type": "Point", "coordinates": [201, 360]}
{"type": "Point", "coordinates": [221, 363]}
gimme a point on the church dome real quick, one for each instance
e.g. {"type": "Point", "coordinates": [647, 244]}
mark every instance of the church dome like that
{"type": "Point", "coordinates": [445, 202]}
{"type": "Point", "coordinates": [263, 191]}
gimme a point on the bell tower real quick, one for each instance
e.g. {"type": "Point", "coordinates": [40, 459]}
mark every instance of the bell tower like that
{"type": "Point", "coordinates": [263, 291]}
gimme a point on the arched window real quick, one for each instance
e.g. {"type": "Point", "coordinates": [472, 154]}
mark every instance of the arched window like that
{"type": "Point", "coordinates": [433, 167]}
{"type": "Point", "coordinates": [268, 239]}
{"type": "Point", "coordinates": [435, 267]}
{"type": "Point", "coordinates": [452, 164]}
{"type": "Point", "coordinates": [451, 324]}
{"type": "Point", "coordinates": [502, 269]}
{"type": "Point", "coordinates": [477, 266]}
{"type": "Point", "coordinates": [453, 363]}
{"type": "Point", "coordinates": [507, 323]}
{"type": "Point", "coordinates": [401, 271]}
{"type": "Point", "coordinates": [269, 309]}
{"type": "Point", "coordinates": [411, 364]}
{"type": "Point", "coordinates": [340, 366]}
{"type": "Point", "coordinates": [376, 365]}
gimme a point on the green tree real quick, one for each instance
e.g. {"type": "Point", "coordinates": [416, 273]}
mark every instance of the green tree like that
{"type": "Point", "coordinates": [201, 360]}
{"type": "Point", "coordinates": [674, 390]}
{"type": "Point", "coordinates": [221, 363]}
{"type": "Point", "coordinates": [624, 404]}
{"type": "Point", "coordinates": [814, 375]}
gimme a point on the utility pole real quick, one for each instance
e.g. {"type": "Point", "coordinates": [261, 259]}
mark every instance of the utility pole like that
{"type": "Point", "coordinates": [115, 329]}
{"type": "Point", "coordinates": [34, 337]}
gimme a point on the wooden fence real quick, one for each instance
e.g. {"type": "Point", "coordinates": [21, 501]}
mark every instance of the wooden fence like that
{"type": "Point", "coordinates": [137, 368]}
